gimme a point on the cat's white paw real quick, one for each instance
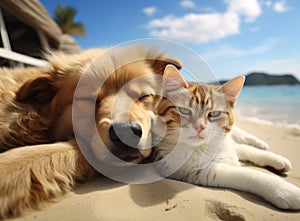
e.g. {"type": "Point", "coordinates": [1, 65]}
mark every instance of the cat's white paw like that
{"type": "Point", "coordinates": [260, 144]}
{"type": "Point", "coordinates": [287, 198]}
{"type": "Point", "coordinates": [280, 163]}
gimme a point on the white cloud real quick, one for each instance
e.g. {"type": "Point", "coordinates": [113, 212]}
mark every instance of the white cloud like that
{"type": "Point", "coordinates": [267, 3]}
{"type": "Point", "coordinates": [187, 4]}
{"type": "Point", "coordinates": [195, 28]}
{"type": "Point", "coordinates": [278, 65]}
{"type": "Point", "coordinates": [280, 6]}
{"type": "Point", "coordinates": [205, 27]}
{"type": "Point", "coordinates": [226, 51]}
{"type": "Point", "coordinates": [248, 8]}
{"type": "Point", "coordinates": [150, 11]}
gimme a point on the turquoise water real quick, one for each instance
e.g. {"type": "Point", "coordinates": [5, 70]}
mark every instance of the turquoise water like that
{"type": "Point", "coordinates": [270, 104]}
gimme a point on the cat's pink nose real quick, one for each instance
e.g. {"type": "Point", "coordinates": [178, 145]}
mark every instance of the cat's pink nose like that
{"type": "Point", "coordinates": [200, 128]}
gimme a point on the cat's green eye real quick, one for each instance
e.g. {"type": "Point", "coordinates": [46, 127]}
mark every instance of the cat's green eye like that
{"type": "Point", "coordinates": [214, 114]}
{"type": "Point", "coordinates": [184, 111]}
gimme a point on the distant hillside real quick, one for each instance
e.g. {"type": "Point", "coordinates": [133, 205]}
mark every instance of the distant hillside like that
{"type": "Point", "coordinates": [268, 79]}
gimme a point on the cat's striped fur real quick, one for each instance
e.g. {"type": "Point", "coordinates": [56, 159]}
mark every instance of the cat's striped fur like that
{"type": "Point", "coordinates": [198, 120]}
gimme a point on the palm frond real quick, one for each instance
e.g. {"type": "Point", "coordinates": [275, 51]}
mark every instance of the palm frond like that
{"type": "Point", "coordinates": [64, 17]}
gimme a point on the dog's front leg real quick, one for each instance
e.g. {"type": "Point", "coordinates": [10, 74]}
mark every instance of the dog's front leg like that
{"type": "Point", "coordinates": [33, 175]}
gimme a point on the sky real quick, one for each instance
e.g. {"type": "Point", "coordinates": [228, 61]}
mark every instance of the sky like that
{"type": "Point", "coordinates": [234, 37]}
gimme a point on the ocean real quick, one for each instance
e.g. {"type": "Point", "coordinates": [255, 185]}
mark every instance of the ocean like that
{"type": "Point", "coordinates": [277, 105]}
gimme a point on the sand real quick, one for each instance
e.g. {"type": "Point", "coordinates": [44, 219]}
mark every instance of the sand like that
{"type": "Point", "coordinates": [105, 199]}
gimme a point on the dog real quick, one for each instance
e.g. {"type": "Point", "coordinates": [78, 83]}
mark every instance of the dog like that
{"type": "Point", "coordinates": [40, 158]}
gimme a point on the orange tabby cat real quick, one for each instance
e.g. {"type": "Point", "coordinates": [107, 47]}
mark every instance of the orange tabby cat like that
{"type": "Point", "coordinates": [196, 121]}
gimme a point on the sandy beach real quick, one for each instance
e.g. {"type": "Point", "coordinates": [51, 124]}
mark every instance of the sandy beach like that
{"type": "Point", "coordinates": [104, 199]}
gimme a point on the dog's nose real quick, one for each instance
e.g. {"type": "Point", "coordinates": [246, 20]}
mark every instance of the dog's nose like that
{"type": "Point", "coordinates": [128, 134]}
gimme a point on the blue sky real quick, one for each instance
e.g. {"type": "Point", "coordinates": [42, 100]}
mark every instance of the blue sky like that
{"type": "Point", "coordinates": [234, 37]}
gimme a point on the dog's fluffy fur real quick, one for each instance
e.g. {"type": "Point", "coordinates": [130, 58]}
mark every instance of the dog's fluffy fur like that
{"type": "Point", "coordinates": [39, 157]}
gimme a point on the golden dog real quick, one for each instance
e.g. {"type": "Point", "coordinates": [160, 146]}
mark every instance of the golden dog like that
{"type": "Point", "coordinates": [39, 158]}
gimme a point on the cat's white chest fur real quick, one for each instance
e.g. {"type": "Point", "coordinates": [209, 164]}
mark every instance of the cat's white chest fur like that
{"type": "Point", "coordinates": [220, 167]}
{"type": "Point", "coordinates": [218, 149]}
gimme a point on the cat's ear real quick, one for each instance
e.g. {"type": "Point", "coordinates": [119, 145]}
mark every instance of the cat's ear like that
{"type": "Point", "coordinates": [172, 79]}
{"type": "Point", "coordinates": [233, 87]}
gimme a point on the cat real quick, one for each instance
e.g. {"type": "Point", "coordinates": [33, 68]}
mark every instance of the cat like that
{"type": "Point", "coordinates": [197, 120]}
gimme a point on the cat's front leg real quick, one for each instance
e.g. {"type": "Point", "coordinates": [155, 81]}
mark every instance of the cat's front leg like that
{"type": "Point", "coordinates": [262, 158]}
{"type": "Point", "coordinates": [274, 189]}
{"type": "Point", "coordinates": [243, 137]}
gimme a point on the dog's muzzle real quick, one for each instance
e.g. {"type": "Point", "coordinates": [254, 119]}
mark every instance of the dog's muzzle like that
{"type": "Point", "coordinates": [125, 138]}
{"type": "Point", "coordinates": [128, 134]}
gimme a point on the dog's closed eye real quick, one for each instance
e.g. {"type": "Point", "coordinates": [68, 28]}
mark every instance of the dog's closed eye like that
{"type": "Point", "coordinates": [143, 97]}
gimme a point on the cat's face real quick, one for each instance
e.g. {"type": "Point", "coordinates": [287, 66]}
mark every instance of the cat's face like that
{"type": "Point", "coordinates": [192, 113]}
{"type": "Point", "coordinates": [204, 111]}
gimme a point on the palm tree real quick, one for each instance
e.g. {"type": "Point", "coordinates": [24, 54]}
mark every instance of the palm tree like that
{"type": "Point", "coordinates": [64, 17]}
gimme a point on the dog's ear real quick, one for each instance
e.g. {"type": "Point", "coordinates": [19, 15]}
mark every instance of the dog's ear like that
{"type": "Point", "coordinates": [160, 64]}
{"type": "Point", "coordinates": [39, 90]}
